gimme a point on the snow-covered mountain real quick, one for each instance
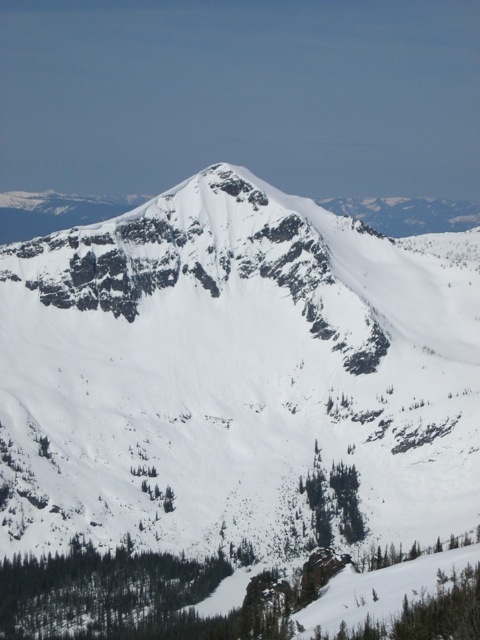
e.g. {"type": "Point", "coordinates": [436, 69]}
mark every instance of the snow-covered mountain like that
{"type": "Point", "coordinates": [402, 217]}
{"type": "Point", "coordinates": [178, 373]}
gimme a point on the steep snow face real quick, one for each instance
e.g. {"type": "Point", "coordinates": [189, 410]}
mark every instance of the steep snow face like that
{"type": "Point", "coordinates": [200, 344]}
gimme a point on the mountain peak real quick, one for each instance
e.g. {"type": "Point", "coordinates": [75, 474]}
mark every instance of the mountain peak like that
{"type": "Point", "coordinates": [203, 342]}
{"type": "Point", "coordinates": [235, 181]}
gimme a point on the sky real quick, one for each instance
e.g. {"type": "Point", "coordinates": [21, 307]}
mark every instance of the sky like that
{"type": "Point", "coordinates": [320, 98]}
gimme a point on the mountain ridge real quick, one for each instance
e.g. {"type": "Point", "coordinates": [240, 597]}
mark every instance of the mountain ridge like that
{"type": "Point", "coordinates": [26, 215]}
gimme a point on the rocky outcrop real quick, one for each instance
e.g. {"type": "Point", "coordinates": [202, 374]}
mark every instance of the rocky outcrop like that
{"type": "Point", "coordinates": [414, 437]}
{"type": "Point", "coordinates": [270, 599]}
{"type": "Point", "coordinates": [322, 565]}
{"type": "Point", "coordinates": [239, 189]}
{"type": "Point", "coordinates": [267, 604]}
{"type": "Point", "coordinates": [367, 359]}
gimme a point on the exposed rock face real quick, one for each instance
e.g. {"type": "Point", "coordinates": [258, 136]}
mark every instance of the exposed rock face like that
{"type": "Point", "coordinates": [112, 268]}
{"type": "Point", "coordinates": [270, 599]}
{"type": "Point", "coordinates": [266, 601]}
{"type": "Point", "coordinates": [419, 436]}
{"type": "Point", "coordinates": [368, 359]}
{"type": "Point", "coordinates": [322, 565]}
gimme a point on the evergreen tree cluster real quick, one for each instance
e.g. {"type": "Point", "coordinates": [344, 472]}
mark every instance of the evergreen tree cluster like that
{"type": "Point", "coordinates": [345, 482]}
{"type": "Point", "coordinates": [4, 494]}
{"type": "Point", "coordinates": [319, 501]}
{"type": "Point", "coordinates": [375, 558]}
{"type": "Point", "coordinates": [43, 448]}
{"type": "Point", "coordinates": [167, 498]}
{"type": "Point", "coordinates": [102, 594]}
{"type": "Point", "coordinates": [244, 554]}
{"type": "Point", "coordinates": [151, 472]}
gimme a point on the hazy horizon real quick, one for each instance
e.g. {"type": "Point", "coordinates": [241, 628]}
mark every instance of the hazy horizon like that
{"type": "Point", "coordinates": [318, 98]}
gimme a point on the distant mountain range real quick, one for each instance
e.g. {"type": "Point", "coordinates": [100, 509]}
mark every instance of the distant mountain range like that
{"type": "Point", "coordinates": [403, 217]}
{"type": "Point", "coordinates": [24, 215]}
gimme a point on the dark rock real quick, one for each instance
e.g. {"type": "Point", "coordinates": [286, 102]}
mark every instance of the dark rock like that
{"type": "Point", "coordinates": [366, 416]}
{"type": "Point", "coordinates": [310, 311]}
{"type": "Point", "coordinates": [321, 329]}
{"type": "Point", "coordinates": [112, 263]}
{"type": "Point", "coordinates": [361, 227]}
{"type": "Point", "coordinates": [379, 434]}
{"type": "Point", "coordinates": [57, 242]}
{"type": "Point", "coordinates": [55, 293]}
{"type": "Point", "coordinates": [30, 249]}
{"type": "Point", "coordinates": [166, 275]}
{"type": "Point", "coordinates": [322, 565]}
{"type": "Point", "coordinates": [286, 230]}
{"type": "Point", "coordinates": [87, 301]}
{"type": "Point", "coordinates": [295, 270]}
{"type": "Point", "coordinates": [129, 310]}
{"type": "Point", "coordinates": [232, 184]}
{"type": "Point", "coordinates": [39, 503]}
{"type": "Point", "coordinates": [145, 230]}
{"type": "Point", "coordinates": [419, 437]}
{"type": "Point", "coordinates": [368, 359]}
{"type": "Point", "coordinates": [8, 275]}
{"type": "Point", "coordinates": [258, 199]}
{"type": "Point", "coordinates": [179, 238]}
{"type": "Point", "coordinates": [56, 509]}
{"type": "Point", "coordinates": [73, 241]}
{"type": "Point", "coordinates": [246, 267]}
{"type": "Point", "coordinates": [207, 281]}
{"type": "Point", "coordinates": [226, 264]}
{"type": "Point", "coordinates": [273, 270]}
{"type": "Point", "coordinates": [82, 270]}
{"type": "Point", "coordinates": [100, 239]}
{"type": "Point", "coordinates": [195, 229]}
{"type": "Point", "coordinates": [120, 305]}
{"type": "Point", "coordinates": [265, 593]}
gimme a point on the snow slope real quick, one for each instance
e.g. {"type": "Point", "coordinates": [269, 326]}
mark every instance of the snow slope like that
{"type": "Point", "coordinates": [349, 595]}
{"type": "Point", "coordinates": [204, 334]}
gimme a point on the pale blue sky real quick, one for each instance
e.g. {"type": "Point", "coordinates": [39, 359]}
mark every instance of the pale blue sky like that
{"type": "Point", "coordinates": [320, 97]}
